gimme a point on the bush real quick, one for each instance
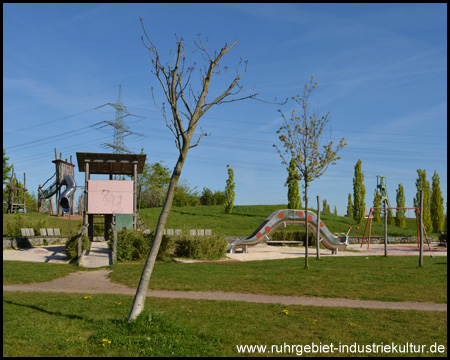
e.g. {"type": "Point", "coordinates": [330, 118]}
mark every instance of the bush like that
{"type": "Point", "coordinates": [72, 245]}
{"type": "Point", "coordinates": [200, 247]}
{"type": "Point", "coordinates": [134, 245]}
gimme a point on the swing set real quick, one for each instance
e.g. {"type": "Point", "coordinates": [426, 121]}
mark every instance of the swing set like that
{"type": "Point", "coordinates": [370, 217]}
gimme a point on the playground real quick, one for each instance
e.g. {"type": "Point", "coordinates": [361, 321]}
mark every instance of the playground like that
{"type": "Point", "coordinates": [256, 289]}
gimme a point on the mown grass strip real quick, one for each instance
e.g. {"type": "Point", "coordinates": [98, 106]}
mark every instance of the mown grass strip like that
{"type": "Point", "coordinates": [366, 278]}
{"type": "Point", "coordinates": [36, 324]}
{"type": "Point", "coordinates": [21, 272]}
{"type": "Point", "coordinates": [372, 278]}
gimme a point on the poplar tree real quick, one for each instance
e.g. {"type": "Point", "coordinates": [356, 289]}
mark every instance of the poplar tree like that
{"type": "Point", "coordinates": [325, 206]}
{"type": "Point", "coordinates": [390, 219]}
{"type": "Point", "coordinates": [376, 203]}
{"type": "Point", "coordinates": [436, 204]}
{"type": "Point", "coordinates": [350, 207]}
{"type": "Point", "coordinates": [294, 199]}
{"type": "Point", "coordinates": [423, 184]}
{"type": "Point", "coordinates": [400, 218]}
{"type": "Point", "coordinates": [359, 194]}
{"type": "Point", "coordinates": [229, 191]}
{"type": "Point", "coordinates": [302, 139]}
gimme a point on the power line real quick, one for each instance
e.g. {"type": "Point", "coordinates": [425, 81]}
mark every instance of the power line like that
{"type": "Point", "coordinates": [52, 121]}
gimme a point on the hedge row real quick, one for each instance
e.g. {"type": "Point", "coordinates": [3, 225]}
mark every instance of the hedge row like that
{"type": "Point", "coordinates": [133, 245]}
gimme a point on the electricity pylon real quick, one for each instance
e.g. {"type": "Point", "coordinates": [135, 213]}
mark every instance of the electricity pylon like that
{"type": "Point", "coordinates": [119, 127]}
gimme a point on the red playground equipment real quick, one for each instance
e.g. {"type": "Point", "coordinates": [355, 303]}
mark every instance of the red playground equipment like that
{"type": "Point", "coordinates": [369, 221]}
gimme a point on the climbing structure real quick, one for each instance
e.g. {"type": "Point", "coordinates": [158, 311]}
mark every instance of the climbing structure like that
{"type": "Point", "coordinates": [16, 194]}
{"type": "Point", "coordinates": [64, 176]}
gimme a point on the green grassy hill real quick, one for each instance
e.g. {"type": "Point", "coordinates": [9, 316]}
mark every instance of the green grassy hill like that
{"type": "Point", "coordinates": [242, 222]}
{"type": "Point", "coordinates": [245, 219]}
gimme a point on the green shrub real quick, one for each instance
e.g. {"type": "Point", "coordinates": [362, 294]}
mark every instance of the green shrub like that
{"type": "Point", "coordinates": [200, 247]}
{"type": "Point", "coordinates": [72, 245]}
{"type": "Point", "coordinates": [134, 245]}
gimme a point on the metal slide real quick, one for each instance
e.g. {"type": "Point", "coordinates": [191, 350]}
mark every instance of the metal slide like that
{"type": "Point", "coordinates": [69, 181]}
{"type": "Point", "coordinates": [291, 217]}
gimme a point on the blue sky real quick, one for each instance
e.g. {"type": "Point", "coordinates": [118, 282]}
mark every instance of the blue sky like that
{"type": "Point", "coordinates": [381, 71]}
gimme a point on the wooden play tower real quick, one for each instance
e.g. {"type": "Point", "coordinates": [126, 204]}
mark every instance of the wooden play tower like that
{"type": "Point", "coordinates": [64, 171]}
{"type": "Point", "coordinates": [16, 194]}
{"type": "Point", "coordinates": [115, 200]}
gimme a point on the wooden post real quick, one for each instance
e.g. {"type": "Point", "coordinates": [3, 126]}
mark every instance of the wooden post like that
{"type": "Point", "coordinates": [79, 243]}
{"type": "Point", "coordinates": [51, 206]}
{"type": "Point", "coordinates": [24, 190]}
{"type": "Point", "coordinates": [86, 193]}
{"type": "Point", "coordinates": [385, 227]}
{"type": "Point", "coordinates": [318, 228]}
{"type": "Point", "coordinates": [115, 239]}
{"type": "Point", "coordinates": [134, 194]}
{"type": "Point", "coordinates": [421, 230]}
{"type": "Point", "coordinates": [56, 155]}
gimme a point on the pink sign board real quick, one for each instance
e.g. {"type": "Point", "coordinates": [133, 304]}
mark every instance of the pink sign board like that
{"type": "Point", "coordinates": [110, 197]}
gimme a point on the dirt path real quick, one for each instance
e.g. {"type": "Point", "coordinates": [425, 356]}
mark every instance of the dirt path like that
{"type": "Point", "coordinates": [97, 282]}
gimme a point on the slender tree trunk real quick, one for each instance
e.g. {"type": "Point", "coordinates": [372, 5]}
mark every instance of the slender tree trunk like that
{"type": "Point", "coordinates": [141, 293]}
{"type": "Point", "coordinates": [306, 222]}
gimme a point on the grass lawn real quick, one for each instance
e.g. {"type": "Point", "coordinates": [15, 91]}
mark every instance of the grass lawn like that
{"type": "Point", "coordinates": [375, 278]}
{"type": "Point", "coordinates": [21, 272]}
{"type": "Point", "coordinates": [36, 324]}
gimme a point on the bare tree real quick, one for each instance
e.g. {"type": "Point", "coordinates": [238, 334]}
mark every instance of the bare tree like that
{"type": "Point", "coordinates": [184, 108]}
{"type": "Point", "coordinates": [301, 137]}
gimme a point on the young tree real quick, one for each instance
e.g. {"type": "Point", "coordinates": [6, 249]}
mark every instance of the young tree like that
{"type": "Point", "coordinates": [436, 204]}
{"type": "Point", "coordinates": [6, 168]}
{"type": "Point", "coordinates": [207, 197]}
{"type": "Point", "coordinates": [229, 191]}
{"type": "Point", "coordinates": [335, 210]}
{"type": "Point", "coordinates": [301, 137]}
{"type": "Point", "coordinates": [390, 219]}
{"type": "Point", "coordinates": [294, 200]}
{"type": "Point", "coordinates": [219, 197]}
{"type": "Point", "coordinates": [350, 207]}
{"type": "Point", "coordinates": [185, 195]}
{"type": "Point", "coordinates": [377, 203]}
{"type": "Point", "coordinates": [400, 218]}
{"type": "Point", "coordinates": [325, 207]}
{"type": "Point", "coordinates": [423, 184]}
{"type": "Point", "coordinates": [182, 110]}
{"type": "Point", "coordinates": [154, 181]}
{"type": "Point", "coordinates": [359, 194]}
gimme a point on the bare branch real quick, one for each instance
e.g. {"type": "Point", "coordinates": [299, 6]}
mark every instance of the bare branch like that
{"type": "Point", "coordinates": [201, 135]}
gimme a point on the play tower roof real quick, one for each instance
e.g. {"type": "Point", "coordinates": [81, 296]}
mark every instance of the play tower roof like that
{"type": "Point", "coordinates": [108, 163]}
